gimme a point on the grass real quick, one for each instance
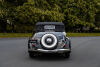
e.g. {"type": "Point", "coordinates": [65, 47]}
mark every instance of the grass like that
{"type": "Point", "coordinates": [11, 35]}
{"type": "Point", "coordinates": [83, 34]}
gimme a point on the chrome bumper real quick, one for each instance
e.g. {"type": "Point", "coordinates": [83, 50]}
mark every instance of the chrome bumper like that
{"type": "Point", "coordinates": [51, 51]}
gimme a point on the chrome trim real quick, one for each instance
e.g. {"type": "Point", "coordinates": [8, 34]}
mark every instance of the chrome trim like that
{"type": "Point", "coordinates": [51, 51]}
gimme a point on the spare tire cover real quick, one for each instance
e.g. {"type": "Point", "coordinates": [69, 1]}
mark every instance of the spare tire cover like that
{"type": "Point", "coordinates": [49, 41]}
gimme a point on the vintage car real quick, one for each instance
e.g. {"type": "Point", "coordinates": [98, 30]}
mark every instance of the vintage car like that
{"type": "Point", "coordinates": [49, 37]}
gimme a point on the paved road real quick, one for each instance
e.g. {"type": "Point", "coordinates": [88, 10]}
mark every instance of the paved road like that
{"type": "Point", "coordinates": [85, 53]}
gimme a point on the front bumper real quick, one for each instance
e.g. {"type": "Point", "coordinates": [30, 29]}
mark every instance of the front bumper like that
{"type": "Point", "coordinates": [51, 51]}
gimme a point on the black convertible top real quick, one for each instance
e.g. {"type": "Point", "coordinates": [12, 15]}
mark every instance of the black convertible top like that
{"type": "Point", "coordinates": [40, 26]}
{"type": "Point", "coordinates": [49, 23]}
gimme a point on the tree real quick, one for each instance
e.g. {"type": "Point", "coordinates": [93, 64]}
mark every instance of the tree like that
{"type": "Point", "coordinates": [3, 17]}
{"type": "Point", "coordinates": [75, 14]}
{"type": "Point", "coordinates": [33, 15]}
{"type": "Point", "coordinates": [81, 13]}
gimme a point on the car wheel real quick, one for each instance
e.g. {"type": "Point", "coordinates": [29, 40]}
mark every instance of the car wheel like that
{"type": "Point", "coordinates": [31, 55]}
{"type": "Point", "coordinates": [49, 41]}
{"type": "Point", "coordinates": [66, 55]}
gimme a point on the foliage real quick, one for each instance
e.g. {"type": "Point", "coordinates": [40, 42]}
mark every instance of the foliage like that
{"type": "Point", "coordinates": [75, 14]}
{"type": "Point", "coordinates": [32, 15]}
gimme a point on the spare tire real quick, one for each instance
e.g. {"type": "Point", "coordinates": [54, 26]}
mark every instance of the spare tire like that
{"type": "Point", "coordinates": [49, 41]}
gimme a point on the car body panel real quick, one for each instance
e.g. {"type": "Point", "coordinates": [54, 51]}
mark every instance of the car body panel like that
{"type": "Point", "coordinates": [63, 42]}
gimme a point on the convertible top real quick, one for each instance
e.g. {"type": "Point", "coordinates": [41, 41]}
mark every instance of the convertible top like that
{"type": "Point", "coordinates": [49, 23]}
{"type": "Point", "coordinates": [53, 26]}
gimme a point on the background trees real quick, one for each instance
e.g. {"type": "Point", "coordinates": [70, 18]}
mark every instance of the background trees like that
{"type": "Point", "coordinates": [77, 15]}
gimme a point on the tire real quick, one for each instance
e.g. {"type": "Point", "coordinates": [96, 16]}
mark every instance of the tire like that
{"type": "Point", "coordinates": [66, 55]}
{"type": "Point", "coordinates": [31, 55]}
{"type": "Point", "coordinates": [51, 44]}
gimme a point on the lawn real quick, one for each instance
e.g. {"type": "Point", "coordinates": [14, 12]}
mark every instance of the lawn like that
{"type": "Point", "coordinates": [10, 35]}
{"type": "Point", "coordinates": [83, 34]}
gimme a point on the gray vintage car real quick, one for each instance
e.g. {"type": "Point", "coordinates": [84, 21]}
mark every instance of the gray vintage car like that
{"type": "Point", "coordinates": [49, 37]}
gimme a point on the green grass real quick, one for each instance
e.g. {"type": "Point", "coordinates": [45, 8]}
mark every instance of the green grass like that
{"type": "Point", "coordinates": [10, 35]}
{"type": "Point", "coordinates": [83, 34]}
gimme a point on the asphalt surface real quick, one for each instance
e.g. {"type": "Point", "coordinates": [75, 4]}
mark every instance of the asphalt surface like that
{"type": "Point", "coordinates": [85, 53]}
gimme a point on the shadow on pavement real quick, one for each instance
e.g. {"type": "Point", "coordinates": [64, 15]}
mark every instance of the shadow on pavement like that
{"type": "Point", "coordinates": [49, 57]}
